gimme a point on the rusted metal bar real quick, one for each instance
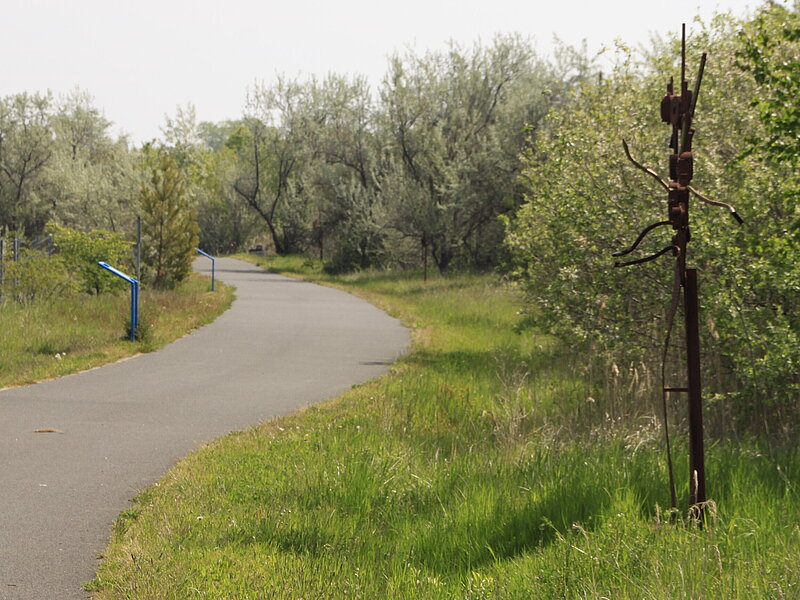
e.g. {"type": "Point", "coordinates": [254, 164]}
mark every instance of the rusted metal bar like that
{"type": "Point", "coordinates": [639, 165]}
{"type": "Point", "coordinates": [732, 210]}
{"type": "Point", "coordinates": [638, 241]}
{"type": "Point", "coordinates": [640, 261]}
{"type": "Point", "coordinates": [697, 472]}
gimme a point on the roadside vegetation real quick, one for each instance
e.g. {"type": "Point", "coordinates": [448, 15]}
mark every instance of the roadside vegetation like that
{"type": "Point", "coordinates": [517, 451]}
{"type": "Point", "coordinates": [476, 157]}
{"type": "Point", "coordinates": [485, 465]}
{"type": "Point", "coordinates": [55, 337]}
{"type": "Point", "coordinates": [585, 200]}
{"type": "Point", "coordinates": [61, 313]}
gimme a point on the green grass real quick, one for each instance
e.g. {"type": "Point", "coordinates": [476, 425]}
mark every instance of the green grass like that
{"type": "Point", "coordinates": [476, 469]}
{"type": "Point", "coordinates": [58, 337]}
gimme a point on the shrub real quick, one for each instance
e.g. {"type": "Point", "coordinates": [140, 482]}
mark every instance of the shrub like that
{"type": "Point", "coordinates": [81, 252]}
{"type": "Point", "coordinates": [35, 276]}
{"type": "Point", "coordinates": [585, 200]}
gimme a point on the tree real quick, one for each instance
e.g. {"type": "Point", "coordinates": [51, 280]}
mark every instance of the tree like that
{"type": "Point", "coordinates": [226, 222]}
{"type": "Point", "coordinates": [92, 180]}
{"type": "Point", "coordinates": [342, 179]}
{"type": "Point", "coordinates": [271, 154]}
{"type": "Point", "coordinates": [26, 139]}
{"type": "Point", "coordinates": [169, 222]}
{"type": "Point", "coordinates": [455, 123]}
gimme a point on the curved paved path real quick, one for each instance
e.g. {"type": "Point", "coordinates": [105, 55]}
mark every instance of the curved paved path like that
{"type": "Point", "coordinates": [284, 344]}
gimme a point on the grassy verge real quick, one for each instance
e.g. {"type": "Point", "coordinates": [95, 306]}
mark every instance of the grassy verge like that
{"type": "Point", "coordinates": [56, 338]}
{"type": "Point", "coordinates": [479, 468]}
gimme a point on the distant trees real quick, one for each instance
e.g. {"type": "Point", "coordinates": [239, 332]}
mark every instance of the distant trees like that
{"type": "Point", "coordinates": [58, 161]}
{"type": "Point", "coordinates": [92, 178]}
{"type": "Point", "coordinates": [344, 178]}
{"type": "Point", "coordinates": [421, 167]}
{"type": "Point", "coordinates": [271, 153]}
{"type": "Point", "coordinates": [427, 164]}
{"type": "Point", "coordinates": [26, 140]}
{"type": "Point", "coordinates": [455, 123]}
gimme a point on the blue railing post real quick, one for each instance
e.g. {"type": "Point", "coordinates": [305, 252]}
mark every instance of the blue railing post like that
{"type": "Point", "coordinates": [134, 295]}
{"type": "Point", "coordinates": [212, 266]}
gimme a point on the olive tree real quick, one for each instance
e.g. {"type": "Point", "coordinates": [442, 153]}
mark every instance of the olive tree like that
{"type": "Point", "coordinates": [454, 122]}
{"type": "Point", "coordinates": [26, 147]}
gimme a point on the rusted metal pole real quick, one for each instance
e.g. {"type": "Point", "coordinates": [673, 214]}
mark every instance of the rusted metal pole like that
{"type": "Point", "coordinates": [678, 110]}
{"type": "Point", "coordinates": [697, 473]}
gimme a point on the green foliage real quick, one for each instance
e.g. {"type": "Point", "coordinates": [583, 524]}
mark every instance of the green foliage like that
{"type": "Point", "coordinates": [91, 180]}
{"type": "Point", "coordinates": [585, 200]}
{"type": "Point", "coordinates": [582, 203]}
{"type": "Point", "coordinates": [61, 333]}
{"type": "Point", "coordinates": [476, 469]}
{"type": "Point", "coordinates": [226, 223]}
{"type": "Point", "coordinates": [35, 276]}
{"type": "Point", "coordinates": [169, 223]}
{"type": "Point", "coordinates": [25, 150]}
{"type": "Point", "coordinates": [455, 123]}
{"type": "Point", "coordinates": [770, 52]}
{"type": "Point", "coordinates": [81, 251]}
{"type": "Point", "coordinates": [357, 235]}
{"type": "Point", "coordinates": [59, 163]}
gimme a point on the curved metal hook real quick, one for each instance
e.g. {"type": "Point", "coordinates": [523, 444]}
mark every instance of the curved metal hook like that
{"type": "Point", "coordinates": [642, 167]}
{"type": "Point", "coordinates": [647, 258]}
{"type": "Point", "coordinates": [640, 238]}
{"type": "Point", "coordinates": [734, 214]}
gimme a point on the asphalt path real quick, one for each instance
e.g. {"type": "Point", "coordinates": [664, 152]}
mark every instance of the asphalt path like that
{"type": "Point", "coordinates": [283, 344]}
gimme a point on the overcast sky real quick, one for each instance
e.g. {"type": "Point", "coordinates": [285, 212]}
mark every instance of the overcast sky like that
{"type": "Point", "coordinates": [140, 59]}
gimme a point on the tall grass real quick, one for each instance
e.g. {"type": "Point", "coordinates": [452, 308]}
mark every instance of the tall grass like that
{"type": "Point", "coordinates": [479, 468]}
{"type": "Point", "coordinates": [51, 338]}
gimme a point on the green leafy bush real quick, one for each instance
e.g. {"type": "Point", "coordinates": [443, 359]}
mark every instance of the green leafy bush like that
{"type": "Point", "coordinates": [35, 276]}
{"type": "Point", "coordinates": [585, 200]}
{"type": "Point", "coordinates": [82, 250]}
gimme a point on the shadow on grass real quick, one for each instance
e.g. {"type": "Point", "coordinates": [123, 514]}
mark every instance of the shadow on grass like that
{"type": "Point", "coordinates": [510, 532]}
{"type": "Point", "coordinates": [544, 360]}
{"type": "Point", "coordinates": [287, 538]}
{"type": "Point", "coordinates": [457, 362]}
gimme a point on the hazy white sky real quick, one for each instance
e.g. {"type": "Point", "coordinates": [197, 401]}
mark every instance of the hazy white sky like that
{"type": "Point", "coordinates": [140, 59]}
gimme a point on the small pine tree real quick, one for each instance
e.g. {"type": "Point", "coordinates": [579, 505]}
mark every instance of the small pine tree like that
{"type": "Point", "coordinates": [170, 231]}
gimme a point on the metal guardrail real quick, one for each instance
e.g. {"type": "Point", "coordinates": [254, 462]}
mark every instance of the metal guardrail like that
{"type": "Point", "coordinates": [213, 260]}
{"type": "Point", "coordinates": [134, 295]}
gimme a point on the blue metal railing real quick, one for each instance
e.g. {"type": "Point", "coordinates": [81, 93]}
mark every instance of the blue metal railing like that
{"type": "Point", "coordinates": [134, 295]}
{"type": "Point", "coordinates": [212, 266]}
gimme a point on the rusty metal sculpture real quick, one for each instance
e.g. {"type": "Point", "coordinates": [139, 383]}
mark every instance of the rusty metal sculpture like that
{"type": "Point", "coordinates": [678, 111]}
